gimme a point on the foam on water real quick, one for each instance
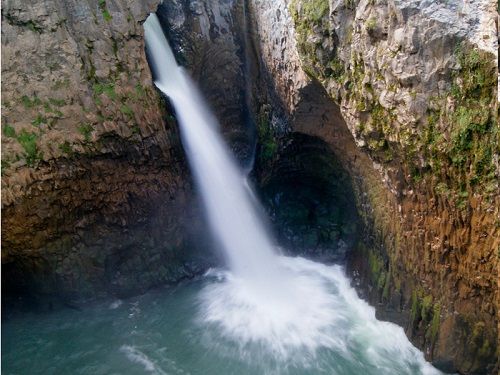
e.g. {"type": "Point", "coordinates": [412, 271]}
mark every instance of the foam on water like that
{"type": "Point", "coordinates": [136, 356]}
{"type": "Point", "coordinates": [318, 311]}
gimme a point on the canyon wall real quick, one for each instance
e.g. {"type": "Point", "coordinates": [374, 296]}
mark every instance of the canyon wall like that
{"type": "Point", "coordinates": [96, 196]}
{"type": "Point", "coordinates": [405, 93]}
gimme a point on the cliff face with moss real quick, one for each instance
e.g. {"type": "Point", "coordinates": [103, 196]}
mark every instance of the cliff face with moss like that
{"type": "Point", "coordinates": [412, 114]}
{"type": "Point", "coordinates": [96, 198]}
{"type": "Point", "coordinates": [96, 195]}
{"type": "Point", "coordinates": [210, 40]}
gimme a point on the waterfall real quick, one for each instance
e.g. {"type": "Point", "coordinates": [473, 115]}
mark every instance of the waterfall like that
{"type": "Point", "coordinates": [231, 212]}
{"type": "Point", "coordinates": [269, 307]}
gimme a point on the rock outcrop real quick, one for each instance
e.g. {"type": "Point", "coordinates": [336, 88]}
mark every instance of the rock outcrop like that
{"type": "Point", "coordinates": [209, 38]}
{"type": "Point", "coordinates": [405, 94]}
{"type": "Point", "coordinates": [309, 199]}
{"type": "Point", "coordinates": [96, 197]}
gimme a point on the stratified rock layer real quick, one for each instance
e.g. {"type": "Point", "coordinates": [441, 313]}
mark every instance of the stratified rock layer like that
{"type": "Point", "coordinates": [97, 198]}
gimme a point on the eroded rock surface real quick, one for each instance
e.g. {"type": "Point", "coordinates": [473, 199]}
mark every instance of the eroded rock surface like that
{"type": "Point", "coordinates": [309, 198]}
{"type": "Point", "coordinates": [409, 106]}
{"type": "Point", "coordinates": [209, 38]}
{"type": "Point", "coordinates": [96, 197]}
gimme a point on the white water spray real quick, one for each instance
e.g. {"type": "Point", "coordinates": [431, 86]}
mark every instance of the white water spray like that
{"type": "Point", "coordinates": [290, 308]}
{"type": "Point", "coordinates": [232, 216]}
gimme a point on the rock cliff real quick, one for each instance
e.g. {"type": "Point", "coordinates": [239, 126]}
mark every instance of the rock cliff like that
{"type": "Point", "coordinates": [96, 196]}
{"type": "Point", "coordinates": [210, 39]}
{"type": "Point", "coordinates": [412, 113]}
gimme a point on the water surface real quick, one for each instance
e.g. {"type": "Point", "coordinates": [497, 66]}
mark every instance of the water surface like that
{"type": "Point", "coordinates": [214, 326]}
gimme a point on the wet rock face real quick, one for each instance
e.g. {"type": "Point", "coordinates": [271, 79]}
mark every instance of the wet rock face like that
{"type": "Point", "coordinates": [309, 199]}
{"type": "Point", "coordinates": [96, 193]}
{"type": "Point", "coordinates": [415, 125]}
{"type": "Point", "coordinates": [209, 38]}
{"type": "Point", "coordinates": [96, 196]}
{"type": "Point", "coordinates": [98, 228]}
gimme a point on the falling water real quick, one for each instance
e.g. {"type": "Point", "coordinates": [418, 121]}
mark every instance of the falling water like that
{"type": "Point", "coordinates": [290, 309]}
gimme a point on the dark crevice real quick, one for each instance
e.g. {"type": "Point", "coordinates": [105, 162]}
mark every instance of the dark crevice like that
{"type": "Point", "coordinates": [310, 200]}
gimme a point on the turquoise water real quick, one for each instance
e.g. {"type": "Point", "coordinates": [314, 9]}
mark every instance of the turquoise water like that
{"type": "Point", "coordinates": [199, 327]}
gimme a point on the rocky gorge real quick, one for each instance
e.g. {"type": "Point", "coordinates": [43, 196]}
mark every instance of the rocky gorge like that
{"type": "Point", "coordinates": [374, 127]}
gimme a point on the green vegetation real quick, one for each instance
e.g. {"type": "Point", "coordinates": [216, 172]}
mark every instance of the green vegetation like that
{"type": "Point", "coordinates": [371, 25]}
{"type": "Point", "coordinates": [33, 27]}
{"type": "Point", "coordinates": [458, 144]}
{"type": "Point", "coordinates": [479, 340]}
{"type": "Point", "coordinates": [57, 113]}
{"type": "Point", "coordinates": [114, 46]}
{"type": "Point", "coordinates": [465, 158]}
{"type": "Point", "coordinates": [104, 10]}
{"type": "Point", "coordinates": [36, 102]}
{"type": "Point", "coordinates": [39, 120]}
{"type": "Point", "coordinates": [436, 318]}
{"type": "Point", "coordinates": [136, 129]}
{"type": "Point", "coordinates": [267, 143]}
{"type": "Point", "coordinates": [29, 24]}
{"type": "Point", "coordinates": [127, 111]}
{"type": "Point", "coordinates": [65, 148]}
{"type": "Point", "coordinates": [28, 142]}
{"type": "Point", "coordinates": [376, 264]}
{"type": "Point", "coordinates": [85, 130]}
{"type": "Point", "coordinates": [106, 15]}
{"type": "Point", "coordinates": [337, 70]}
{"type": "Point", "coordinates": [9, 131]}
{"type": "Point", "coordinates": [140, 92]}
{"type": "Point", "coordinates": [426, 308]}
{"type": "Point", "coordinates": [415, 308]}
{"type": "Point", "coordinates": [57, 102]}
{"type": "Point", "coordinates": [61, 84]}
{"type": "Point", "coordinates": [380, 272]}
{"type": "Point", "coordinates": [30, 102]}
{"type": "Point", "coordinates": [442, 189]}
{"type": "Point", "coordinates": [105, 88]}
{"type": "Point", "coordinates": [312, 13]}
{"type": "Point", "coordinates": [387, 284]}
{"type": "Point", "coordinates": [425, 313]}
